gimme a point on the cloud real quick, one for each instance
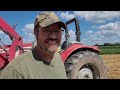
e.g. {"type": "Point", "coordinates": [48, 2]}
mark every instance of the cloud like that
{"type": "Point", "coordinates": [110, 26]}
{"type": "Point", "coordinates": [110, 29]}
{"type": "Point", "coordinates": [28, 28]}
{"type": "Point", "coordinates": [29, 33]}
{"type": "Point", "coordinates": [1, 32]}
{"type": "Point", "coordinates": [29, 37]}
{"type": "Point", "coordinates": [89, 32]}
{"type": "Point", "coordinates": [66, 15]}
{"type": "Point", "coordinates": [72, 35]}
{"type": "Point", "coordinates": [98, 16]}
{"type": "Point", "coordinates": [107, 29]}
{"type": "Point", "coordinates": [109, 32]}
{"type": "Point", "coordinates": [6, 39]}
{"type": "Point", "coordinates": [58, 12]}
{"type": "Point", "coordinates": [84, 39]}
{"type": "Point", "coordinates": [71, 38]}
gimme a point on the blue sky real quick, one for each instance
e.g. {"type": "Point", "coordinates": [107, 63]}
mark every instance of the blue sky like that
{"type": "Point", "coordinates": [96, 26]}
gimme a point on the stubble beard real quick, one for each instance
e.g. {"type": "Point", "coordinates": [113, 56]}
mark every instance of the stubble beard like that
{"type": "Point", "coordinates": [52, 49]}
{"type": "Point", "coordinates": [52, 46]}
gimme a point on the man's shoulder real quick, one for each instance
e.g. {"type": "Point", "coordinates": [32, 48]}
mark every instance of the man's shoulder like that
{"type": "Point", "coordinates": [58, 57]}
{"type": "Point", "coordinates": [57, 54]}
{"type": "Point", "coordinates": [21, 58]}
{"type": "Point", "coordinates": [24, 55]}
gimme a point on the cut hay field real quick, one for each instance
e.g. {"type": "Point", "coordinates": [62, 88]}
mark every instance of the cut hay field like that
{"type": "Point", "coordinates": [113, 64]}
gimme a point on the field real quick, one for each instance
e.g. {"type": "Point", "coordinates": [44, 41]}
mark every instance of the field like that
{"type": "Point", "coordinates": [111, 56]}
{"type": "Point", "coordinates": [113, 64]}
{"type": "Point", "coordinates": [110, 49]}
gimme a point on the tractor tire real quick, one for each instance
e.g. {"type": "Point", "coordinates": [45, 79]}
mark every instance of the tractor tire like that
{"type": "Point", "coordinates": [85, 65]}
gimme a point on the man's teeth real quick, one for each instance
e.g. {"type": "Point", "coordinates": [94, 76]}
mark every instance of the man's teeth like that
{"type": "Point", "coordinates": [51, 42]}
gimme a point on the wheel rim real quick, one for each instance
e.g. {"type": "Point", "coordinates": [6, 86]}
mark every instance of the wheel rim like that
{"type": "Point", "coordinates": [88, 71]}
{"type": "Point", "coordinates": [85, 73]}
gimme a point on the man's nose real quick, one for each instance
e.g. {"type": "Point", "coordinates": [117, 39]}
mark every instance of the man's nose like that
{"type": "Point", "coordinates": [52, 35]}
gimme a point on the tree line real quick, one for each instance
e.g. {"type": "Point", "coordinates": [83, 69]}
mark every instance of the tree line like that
{"type": "Point", "coordinates": [109, 44]}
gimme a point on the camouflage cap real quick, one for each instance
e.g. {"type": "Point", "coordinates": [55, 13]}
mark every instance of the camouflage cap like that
{"type": "Point", "coordinates": [47, 18]}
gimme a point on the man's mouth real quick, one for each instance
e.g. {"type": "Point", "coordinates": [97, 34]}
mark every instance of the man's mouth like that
{"type": "Point", "coordinates": [52, 42]}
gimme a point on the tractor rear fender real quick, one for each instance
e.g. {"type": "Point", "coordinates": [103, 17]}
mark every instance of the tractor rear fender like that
{"type": "Point", "coordinates": [77, 47]}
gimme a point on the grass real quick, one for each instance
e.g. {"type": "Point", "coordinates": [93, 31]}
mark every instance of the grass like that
{"type": "Point", "coordinates": [109, 49]}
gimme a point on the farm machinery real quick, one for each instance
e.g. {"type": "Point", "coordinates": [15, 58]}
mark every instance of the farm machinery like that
{"type": "Point", "coordinates": [81, 61]}
{"type": "Point", "coordinates": [9, 52]}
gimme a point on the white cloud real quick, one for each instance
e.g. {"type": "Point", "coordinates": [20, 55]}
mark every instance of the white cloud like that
{"type": "Point", "coordinates": [107, 33]}
{"type": "Point", "coordinates": [98, 16]}
{"type": "Point", "coordinates": [58, 12]}
{"type": "Point", "coordinates": [66, 15]}
{"type": "Point", "coordinates": [72, 35]}
{"type": "Point", "coordinates": [89, 32]}
{"type": "Point", "coordinates": [28, 28]}
{"type": "Point", "coordinates": [110, 26]}
{"type": "Point", "coordinates": [71, 38]}
{"type": "Point", "coordinates": [6, 39]}
{"type": "Point", "coordinates": [110, 29]}
{"type": "Point", "coordinates": [29, 33]}
{"type": "Point", "coordinates": [84, 39]}
{"type": "Point", "coordinates": [1, 32]}
{"type": "Point", "coordinates": [29, 37]}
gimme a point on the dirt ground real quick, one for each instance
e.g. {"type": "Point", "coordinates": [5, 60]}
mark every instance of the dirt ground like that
{"type": "Point", "coordinates": [113, 65]}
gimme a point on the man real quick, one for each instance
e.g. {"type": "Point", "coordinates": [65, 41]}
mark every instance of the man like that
{"type": "Point", "coordinates": [43, 62]}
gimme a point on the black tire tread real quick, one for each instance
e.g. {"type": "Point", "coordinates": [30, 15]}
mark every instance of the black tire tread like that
{"type": "Point", "coordinates": [74, 59]}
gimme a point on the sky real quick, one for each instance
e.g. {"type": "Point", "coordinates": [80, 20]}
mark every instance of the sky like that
{"type": "Point", "coordinates": [97, 27]}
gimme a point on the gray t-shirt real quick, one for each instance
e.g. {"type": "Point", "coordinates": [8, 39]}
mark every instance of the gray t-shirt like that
{"type": "Point", "coordinates": [29, 66]}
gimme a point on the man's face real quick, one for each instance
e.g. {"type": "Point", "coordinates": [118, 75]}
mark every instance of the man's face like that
{"type": "Point", "coordinates": [49, 38]}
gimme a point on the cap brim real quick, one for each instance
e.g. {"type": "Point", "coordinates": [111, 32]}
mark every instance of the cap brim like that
{"type": "Point", "coordinates": [62, 24]}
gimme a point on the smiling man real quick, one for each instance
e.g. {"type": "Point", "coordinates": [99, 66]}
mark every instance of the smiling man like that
{"type": "Point", "coordinates": [43, 62]}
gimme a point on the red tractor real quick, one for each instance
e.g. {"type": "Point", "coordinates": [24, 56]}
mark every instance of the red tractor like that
{"type": "Point", "coordinates": [81, 62]}
{"type": "Point", "coordinates": [9, 52]}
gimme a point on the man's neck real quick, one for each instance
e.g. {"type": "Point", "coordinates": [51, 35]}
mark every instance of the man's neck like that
{"type": "Point", "coordinates": [43, 55]}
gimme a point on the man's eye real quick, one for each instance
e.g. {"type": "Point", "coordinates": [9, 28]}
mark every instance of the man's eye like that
{"type": "Point", "coordinates": [56, 30]}
{"type": "Point", "coordinates": [59, 30]}
{"type": "Point", "coordinates": [46, 30]}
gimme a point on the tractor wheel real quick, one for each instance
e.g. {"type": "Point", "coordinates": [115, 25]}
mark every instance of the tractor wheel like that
{"type": "Point", "coordinates": [85, 65]}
